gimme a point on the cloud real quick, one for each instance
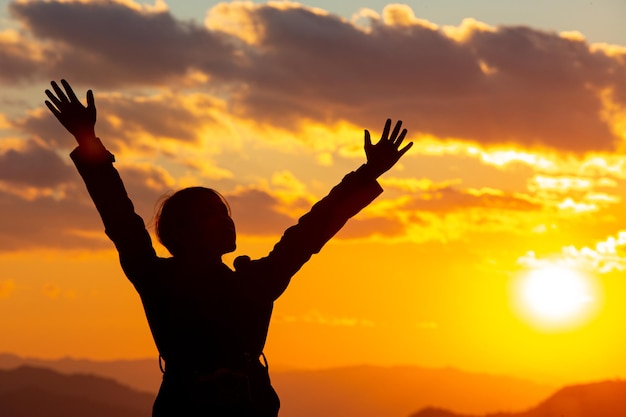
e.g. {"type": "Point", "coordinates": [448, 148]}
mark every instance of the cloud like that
{"type": "Point", "coordinates": [256, 212]}
{"type": "Point", "coordinates": [362, 227]}
{"type": "Point", "coordinates": [116, 43]}
{"type": "Point", "coordinates": [68, 220]}
{"type": "Point", "coordinates": [284, 64]}
{"type": "Point", "coordinates": [448, 199]}
{"type": "Point", "coordinates": [255, 72]}
{"type": "Point", "coordinates": [574, 193]}
{"type": "Point", "coordinates": [605, 256]}
{"type": "Point", "coordinates": [428, 212]}
{"type": "Point", "coordinates": [53, 210]}
{"type": "Point", "coordinates": [46, 222]}
{"type": "Point", "coordinates": [34, 166]}
{"type": "Point", "coordinates": [269, 212]}
{"type": "Point", "coordinates": [21, 58]}
{"type": "Point", "coordinates": [142, 123]}
{"type": "Point", "coordinates": [493, 86]}
{"type": "Point", "coordinates": [146, 184]}
{"type": "Point", "coordinates": [540, 89]}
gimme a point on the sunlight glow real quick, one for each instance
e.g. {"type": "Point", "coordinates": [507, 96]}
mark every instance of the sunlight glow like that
{"type": "Point", "coordinates": [555, 297]}
{"type": "Point", "coordinates": [570, 204]}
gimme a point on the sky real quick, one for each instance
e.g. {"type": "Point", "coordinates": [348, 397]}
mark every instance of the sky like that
{"type": "Point", "coordinates": [498, 245]}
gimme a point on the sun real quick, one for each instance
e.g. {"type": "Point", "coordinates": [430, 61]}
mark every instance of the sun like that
{"type": "Point", "coordinates": [556, 297]}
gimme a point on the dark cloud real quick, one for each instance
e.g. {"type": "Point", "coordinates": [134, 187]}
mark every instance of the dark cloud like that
{"type": "Point", "coordinates": [166, 116]}
{"type": "Point", "coordinates": [146, 186]}
{"type": "Point", "coordinates": [255, 213]}
{"type": "Point", "coordinates": [449, 199]}
{"type": "Point", "coordinates": [34, 166]}
{"type": "Point", "coordinates": [292, 64]}
{"type": "Point", "coordinates": [109, 43]}
{"type": "Point", "coordinates": [46, 128]}
{"type": "Point", "coordinates": [324, 60]}
{"type": "Point", "coordinates": [68, 219]}
{"type": "Point", "coordinates": [71, 221]}
{"type": "Point", "coordinates": [18, 63]}
{"type": "Point", "coordinates": [122, 120]}
{"type": "Point", "coordinates": [510, 84]}
{"type": "Point", "coordinates": [47, 222]}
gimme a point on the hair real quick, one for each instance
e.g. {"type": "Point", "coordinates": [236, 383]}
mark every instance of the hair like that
{"type": "Point", "coordinates": [176, 214]}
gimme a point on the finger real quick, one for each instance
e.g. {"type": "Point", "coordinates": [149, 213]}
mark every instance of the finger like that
{"type": "Point", "coordinates": [91, 103]}
{"type": "Point", "coordinates": [398, 141]}
{"type": "Point", "coordinates": [59, 92]}
{"type": "Point", "coordinates": [53, 98]}
{"type": "Point", "coordinates": [53, 109]}
{"type": "Point", "coordinates": [405, 149]}
{"type": "Point", "coordinates": [69, 91]}
{"type": "Point", "coordinates": [367, 139]}
{"type": "Point", "coordinates": [396, 130]}
{"type": "Point", "coordinates": [385, 134]}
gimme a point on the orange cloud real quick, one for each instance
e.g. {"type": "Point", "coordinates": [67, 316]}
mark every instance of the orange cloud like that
{"type": "Point", "coordinates": [451, 199]}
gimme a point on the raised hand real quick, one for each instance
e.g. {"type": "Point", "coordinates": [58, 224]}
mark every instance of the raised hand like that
{"type": "Point", "coordinates": [384, 154]}
{"type": "Point", "coordinates": [79, 120]}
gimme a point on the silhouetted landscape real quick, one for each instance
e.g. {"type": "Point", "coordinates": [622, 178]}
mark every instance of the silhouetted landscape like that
{"type": "Point", "coordinates": [70, 387]}
{"type": "Point", "coordinates": [31, 392]}
{"type": "Point", "coordinates": [600, 399]}
{"type": "Point", "coordinates": [74, 390]}
{"type": "Point", "coordinates": [140, 374]}
{"type": "Point", "coordinates": [354, 390]}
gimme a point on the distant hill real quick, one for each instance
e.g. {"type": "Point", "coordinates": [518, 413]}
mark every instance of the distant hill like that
{"type": "Point", "coordinates": [140, 374]}
{"type": "Point", "coordinates": [599, 399]}
{"type": "Point", "coordinates": [359, 391]}
{"type": "Point", "coordinates": [363, 391]}
{"type": "Point", "coordinates": [371, 391]}
{"type": "Point", "coordinates": [34, 392]}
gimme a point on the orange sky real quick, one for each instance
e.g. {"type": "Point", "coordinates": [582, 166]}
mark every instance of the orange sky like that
{"type": "Point", "coordinates": [517, 165]}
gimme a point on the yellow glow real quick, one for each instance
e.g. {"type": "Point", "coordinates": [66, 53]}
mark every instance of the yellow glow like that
{"type": "Point", "coordinates": [403, 15]}
{"type": "Point", "coordinates": [562, 183]}
{"type": "Point", "coordinates": [570, 204]}
{"type": "Point", "coordinates": [505, 157]}
{"type": "Point", "coordinates": [573, 35]}
{"type": "Point", "coordinates": [466, 29]}
{"type": "Point", "coordinates": [556, 297]}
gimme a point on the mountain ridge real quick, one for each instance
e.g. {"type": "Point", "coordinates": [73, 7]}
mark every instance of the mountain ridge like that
{"type": "Point", "coordinates": [594, 399]}
{"type": "Point", "coordinates": [28, 391]}
{"type": "Point", "coordinates": [361, 390]}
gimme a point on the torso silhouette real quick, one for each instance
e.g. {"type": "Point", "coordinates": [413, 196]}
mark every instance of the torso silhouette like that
{"type": "Point", "coordinates": [209, 322]}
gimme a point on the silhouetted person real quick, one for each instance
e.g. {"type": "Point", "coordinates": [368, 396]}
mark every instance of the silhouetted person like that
{"type": "Point", "coordinates": [209, 322]}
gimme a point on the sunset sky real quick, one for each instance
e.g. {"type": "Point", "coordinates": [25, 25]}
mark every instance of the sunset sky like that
{"type": "Point", "coordinates": [515, 184]}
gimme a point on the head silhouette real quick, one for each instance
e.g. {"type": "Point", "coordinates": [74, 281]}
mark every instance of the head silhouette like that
{"type": "Point", "coordinates": [196, 221]}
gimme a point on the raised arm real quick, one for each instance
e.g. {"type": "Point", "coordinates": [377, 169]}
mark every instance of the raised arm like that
{"type": "Point", "coordinates": [95, 164]}
{"type": "Point", "coordinates": [270, 276]}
